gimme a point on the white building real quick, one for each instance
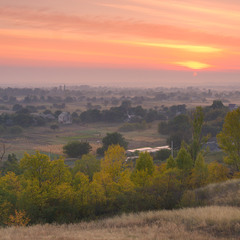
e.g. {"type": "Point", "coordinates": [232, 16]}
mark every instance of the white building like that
{"type": "Point", "coordinates": [65, 118]}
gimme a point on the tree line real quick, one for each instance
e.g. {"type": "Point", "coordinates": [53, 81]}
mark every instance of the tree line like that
{"type": "Point", "coordinates": [37, 190]}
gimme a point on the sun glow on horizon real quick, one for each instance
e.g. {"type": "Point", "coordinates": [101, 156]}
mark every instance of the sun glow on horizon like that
{"type": "Point", "coordinates": [193, 65]}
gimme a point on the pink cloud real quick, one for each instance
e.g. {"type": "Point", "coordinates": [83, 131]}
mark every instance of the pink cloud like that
{"type": "Point", "coordinates": [117, 27]}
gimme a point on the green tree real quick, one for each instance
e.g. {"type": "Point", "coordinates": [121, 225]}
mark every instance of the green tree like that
{"type": "Point", "coordinates": [229, 138]}
{"type": "Point", "coordinates": [217, 104]}
{"type": "Point", "coordinates": [200, 172]}
{"type": "Point", "coordinates": [88, 165]}
{"type": "Point", "coordinates": [142, 176]}
{"type": "Point", "coordinates": [145, 162]}
{"type": "Point", "coordinates": [178, 128]}
{"type": "Point", "coordinates": [11, 165]}
{"type": "Point", "coordinates": [114, 138]}
{"type": "Point", "coordinates": [171, 163]}
{"type": "Point", "coordinates": [197, 139]}
{"type": "Point", "coordinates": [163, 154]}
{"type": "Point", "coordinates": [184, 160]}
{"type": "Point", "coordinates": [77, 149]}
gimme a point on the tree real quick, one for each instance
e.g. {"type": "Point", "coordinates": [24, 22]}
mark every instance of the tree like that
{"type": "Point", "coordinates": [145, 162]}
{"type": "Point", "coordinates": [217, 172]}
{"type": "Point", "coordinates": [229, 138]}
{"type": "Point", "coordinates": [77, 149]}
{"type": "Point", "coordinates": [114, 161]}
{"type": "Point", "coordinates": [171, 163]}
{"type": "Point", "coordinates": [114, 138]}
{"type": "Point", "coordinates": [199, 173]}
{"type": "Point", "coordinates": [88, 165]}
{"type": "Point", "coordinates": [163, 154]}
{"type": "Point", "coordinates": [178, 128]}
{"type": "Point", "coordinates": [113, 178]}
{"type": "Point", "coordinates": [2, 152]}
{"type": "Point", "coordinates": [217, 104]}
{"type": "Point", "coordinates": [36, 167]}
{"type": "Point", "coordinates": [11, 165]}
{"type": "Point", "coordinates": [197, 139]}
{"type": "Point", "coordinates": [184, 160]}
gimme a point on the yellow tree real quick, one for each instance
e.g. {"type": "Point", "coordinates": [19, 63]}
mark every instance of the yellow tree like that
{"type": "Point", "coordinates": [229, 138]}
{"type": "Point", "coordinates": [217, 172]}
{"type": "Point", "coordinates": [81, 186]}
{"type": "Point", "coordinates": [10, 189]}
{"type": "Point", "coordinates": [47, 187]}
{"type": "Point", "coordinates": [59, 172]}
{"type": "Point", "coordinates": [113, 176]}
{"type": "Point", "coordinates": [36, 167]}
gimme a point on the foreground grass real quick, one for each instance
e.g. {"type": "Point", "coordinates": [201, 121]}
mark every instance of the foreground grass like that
{"type": "Point", "coordinates": [193, 223]}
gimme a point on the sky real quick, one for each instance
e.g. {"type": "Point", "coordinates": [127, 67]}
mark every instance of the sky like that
{"type": "Point", "coordinates": [121, 43]}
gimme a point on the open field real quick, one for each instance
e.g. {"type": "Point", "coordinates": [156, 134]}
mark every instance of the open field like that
{"type": "Point", "coordinates": [51, 141]}
{"type": "Point", "coordinates": [208, 223]}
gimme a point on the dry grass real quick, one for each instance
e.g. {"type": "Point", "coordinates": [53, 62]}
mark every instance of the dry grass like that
{"type": "Point", "coordinates": [55, 148]}
{"type": "Point", "coordinates": [186, 224]}
{"type": "Point", "coordinates": [225, 193]}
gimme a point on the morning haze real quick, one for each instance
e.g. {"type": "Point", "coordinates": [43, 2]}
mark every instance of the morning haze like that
{"type": "Point", "coordinates": [119, 119]}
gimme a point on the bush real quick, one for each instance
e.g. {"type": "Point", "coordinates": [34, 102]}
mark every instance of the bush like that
{"type": "Point", "coordinates": [77, 149]}
{"type": "Point", "coordinates": [163, 154]}
{"type": "Point", "coordinates": [54, 126]}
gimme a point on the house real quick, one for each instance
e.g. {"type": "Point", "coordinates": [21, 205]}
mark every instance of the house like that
{"type": "Point", "coordinates": [65, 118]}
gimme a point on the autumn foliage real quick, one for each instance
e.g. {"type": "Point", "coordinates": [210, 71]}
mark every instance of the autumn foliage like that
{"type": "Point", "coordinates": [50, 191]}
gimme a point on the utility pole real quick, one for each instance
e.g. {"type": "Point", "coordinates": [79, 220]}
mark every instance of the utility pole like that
{"type": "Point", "coordinates": [172, 148]}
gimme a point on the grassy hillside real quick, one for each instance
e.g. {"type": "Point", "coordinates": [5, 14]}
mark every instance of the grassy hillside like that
{"type": "Point", "coordinates": [221, 194]}
{"type": "Point", "coordinates": [219, 220]}
{"type": "Point", "coordinates": [194, 223]}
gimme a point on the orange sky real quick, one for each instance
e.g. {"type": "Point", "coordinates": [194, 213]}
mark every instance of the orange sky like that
{"type": "Point", "coordinates": [148, 34]}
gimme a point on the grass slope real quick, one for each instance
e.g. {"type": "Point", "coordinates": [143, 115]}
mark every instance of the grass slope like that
{"type": "Point", "coordinates": [207, 223]}
{"type": "Point", "coordinates": [221, 194]}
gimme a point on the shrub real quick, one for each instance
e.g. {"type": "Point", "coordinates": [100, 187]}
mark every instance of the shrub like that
{"type": "Point", "coordinates": [76, 148]}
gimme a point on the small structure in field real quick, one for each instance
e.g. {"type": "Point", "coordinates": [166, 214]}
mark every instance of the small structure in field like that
{"type": "Point", "coordinates": [65, 118]}
{"type": "Point", "coordinates": [132, 152]}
